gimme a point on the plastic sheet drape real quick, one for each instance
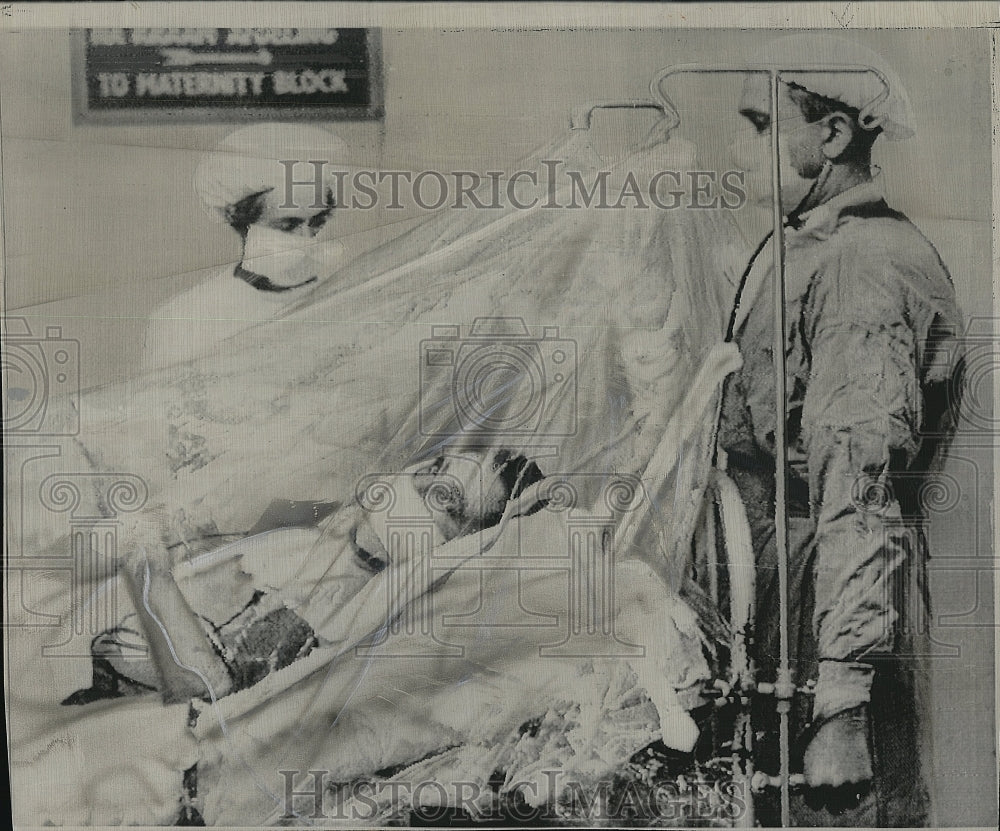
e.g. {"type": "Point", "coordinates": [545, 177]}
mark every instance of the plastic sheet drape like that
{"type": "Point", "coordinates": [631, 299]}
{"type": "Point", "coordinates": [585, 339]}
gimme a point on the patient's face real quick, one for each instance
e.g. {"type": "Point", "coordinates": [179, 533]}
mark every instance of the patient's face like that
{"type": "Point", "coordinates": [463, 492]}
{"type": "Point", "coordinates": [460, 493]}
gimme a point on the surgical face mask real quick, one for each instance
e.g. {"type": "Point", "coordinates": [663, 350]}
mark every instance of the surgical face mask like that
{"type": "Point", "coordinates": [288, 259]}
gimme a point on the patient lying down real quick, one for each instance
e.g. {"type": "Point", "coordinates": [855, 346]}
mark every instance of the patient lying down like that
{"type": "Point", "coordinates": [514, 610]}
{"type": "Point", "coordinates": [260, 636]}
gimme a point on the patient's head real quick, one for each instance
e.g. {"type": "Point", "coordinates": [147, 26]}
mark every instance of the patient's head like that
{"type": "Point", "coordinates": [460, 492]}
{"type": "Point", "coordinates": [468, 491]}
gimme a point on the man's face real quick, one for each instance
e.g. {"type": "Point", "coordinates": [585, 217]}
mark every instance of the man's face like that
{"type": "Point", "coordinates": [800, 144]}
{"type": "Point", "coordinates": [300, 220]}
{"type": "Point", "coordinates": [460, 492]}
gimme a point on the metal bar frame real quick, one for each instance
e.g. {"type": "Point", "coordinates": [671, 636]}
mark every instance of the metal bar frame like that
{"type": "Point", "coordinates": [784, 689]}
{"type": "Point", "coordinates": [580, 116]}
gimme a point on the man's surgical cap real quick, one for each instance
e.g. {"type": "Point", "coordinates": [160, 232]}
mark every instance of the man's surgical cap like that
{"type": "Point", "coordinates": [864, 91]}
{"type": "Point", "coordinates": [250, 160]}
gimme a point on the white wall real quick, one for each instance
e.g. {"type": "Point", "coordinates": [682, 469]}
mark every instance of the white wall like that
{"type": "Point", "coordinates": [102, 222]}
{"type": "Point", "coordinates": [93, 208]}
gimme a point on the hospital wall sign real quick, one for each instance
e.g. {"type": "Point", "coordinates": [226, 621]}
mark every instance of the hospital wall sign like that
{"type": "Point", "coordinates": [184, 75]}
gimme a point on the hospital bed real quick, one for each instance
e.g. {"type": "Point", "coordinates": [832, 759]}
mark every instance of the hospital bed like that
{"type": "Point", "coordinates": [720, 768]}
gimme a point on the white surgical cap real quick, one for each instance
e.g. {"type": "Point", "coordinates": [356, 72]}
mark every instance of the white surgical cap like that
{"type": "Point", "coordinates": [249, 160]}
{"type": "Point", "coordinates": [863, 91]}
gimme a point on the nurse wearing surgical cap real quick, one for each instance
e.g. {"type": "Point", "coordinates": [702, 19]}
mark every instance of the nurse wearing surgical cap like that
{"type": "Point", "coordinates": [284, 231]}
{"type": "Point", "coordinates": [871, 316]}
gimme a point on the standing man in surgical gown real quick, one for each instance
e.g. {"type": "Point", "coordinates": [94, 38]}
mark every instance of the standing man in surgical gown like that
{"type": "Point", "coordinates": [871, 315]}
{"type": "Point", "coordinates": [287, 250]}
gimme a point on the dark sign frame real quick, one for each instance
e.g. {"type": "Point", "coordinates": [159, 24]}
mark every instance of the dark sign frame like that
{"type": "Point", "coordinates": [84, 114]}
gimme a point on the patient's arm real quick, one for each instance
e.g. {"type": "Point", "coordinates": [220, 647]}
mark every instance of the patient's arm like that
{"type": "Point", "coordinates": [185, 657]}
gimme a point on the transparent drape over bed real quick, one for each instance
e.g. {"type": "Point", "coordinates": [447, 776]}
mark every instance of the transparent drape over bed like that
{"type": "Point", "coordinates": [587, 340]}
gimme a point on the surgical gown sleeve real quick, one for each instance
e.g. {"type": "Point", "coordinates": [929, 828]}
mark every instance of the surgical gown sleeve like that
{"type": "Point", "coordinates": [860, 421]}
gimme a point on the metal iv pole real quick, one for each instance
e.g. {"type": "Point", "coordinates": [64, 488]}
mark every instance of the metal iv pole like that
{"type": "Point", "coordinates": [783, 688]}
